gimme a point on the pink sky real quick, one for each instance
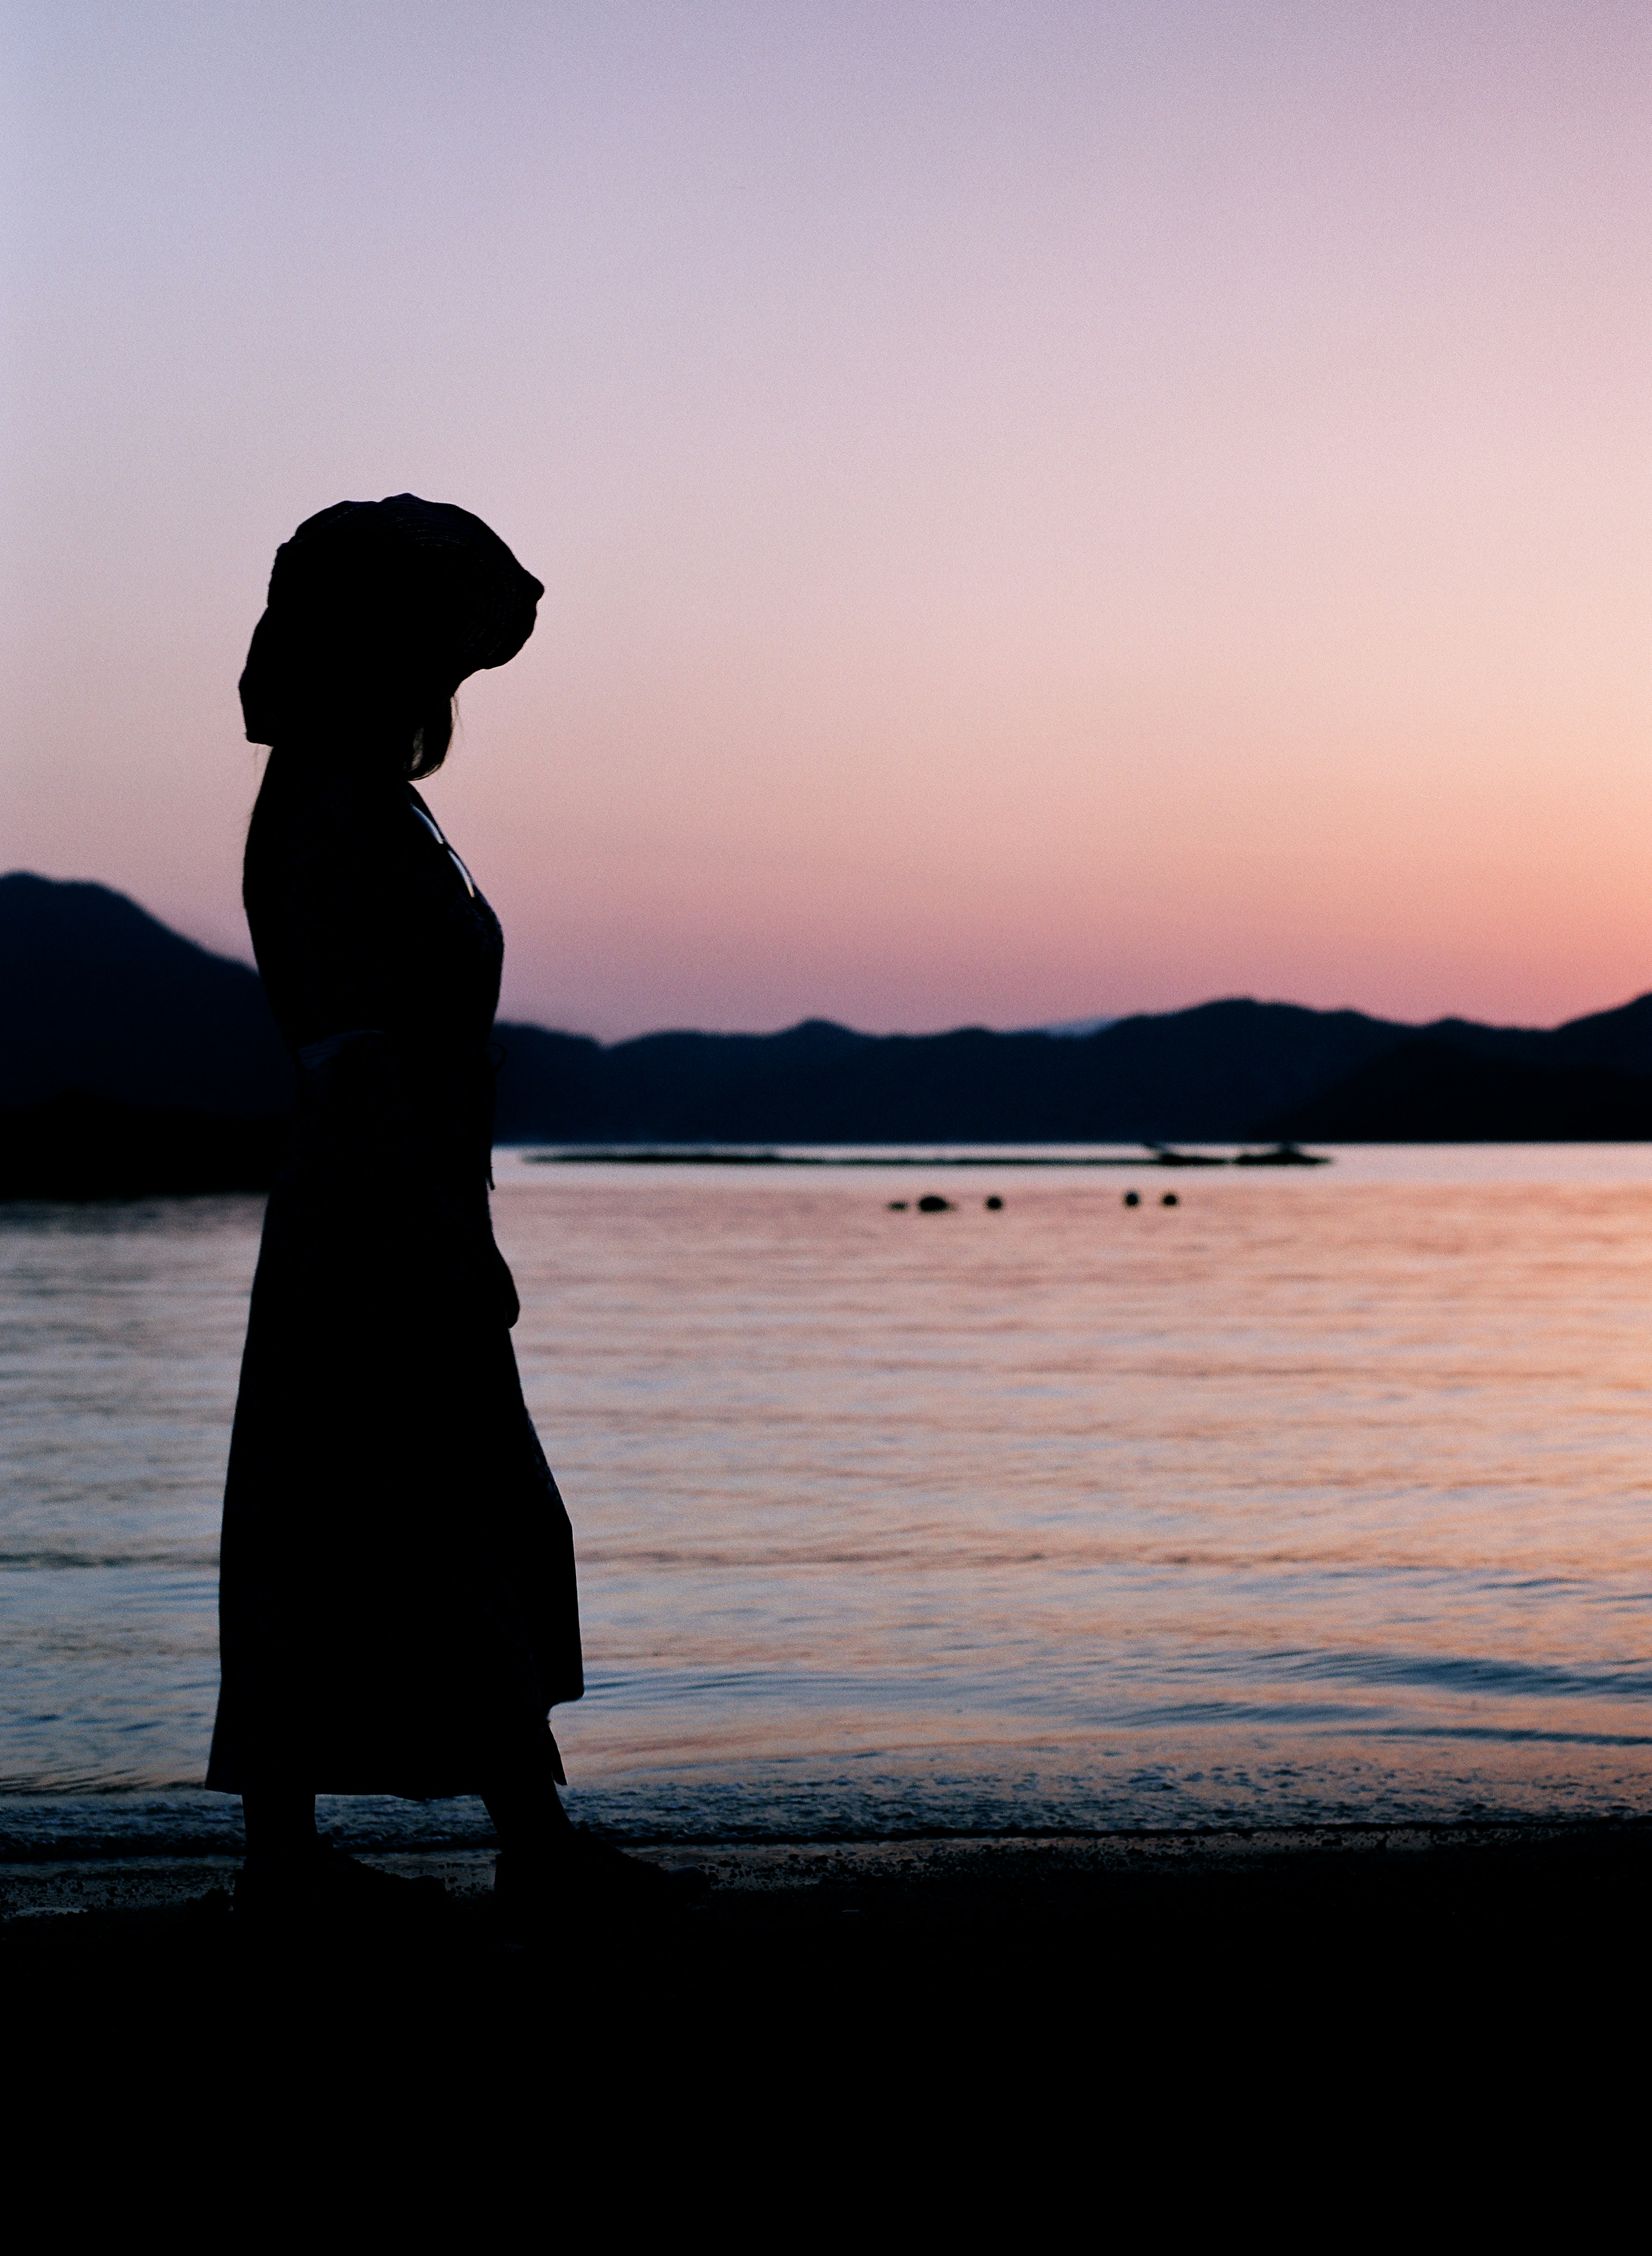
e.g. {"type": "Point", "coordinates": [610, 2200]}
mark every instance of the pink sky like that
{"type": "Point", "coordinates": [1046, 509]}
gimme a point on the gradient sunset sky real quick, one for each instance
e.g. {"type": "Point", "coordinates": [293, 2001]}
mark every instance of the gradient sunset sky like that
{"type": "Point", "coordinates": [1046, 509]}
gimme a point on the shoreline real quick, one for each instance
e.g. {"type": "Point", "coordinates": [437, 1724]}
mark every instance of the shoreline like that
{"type": "Point", "coordinates": [967, 1868]}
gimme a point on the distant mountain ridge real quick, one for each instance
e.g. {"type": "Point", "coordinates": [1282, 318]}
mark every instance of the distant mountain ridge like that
{"type": "Point", "coordinates": [98, 996]}
{"type": "Point", "coordinates": [1222, 1072]}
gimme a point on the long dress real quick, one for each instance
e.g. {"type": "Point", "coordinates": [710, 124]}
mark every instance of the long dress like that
{"type": "Point", "coordinates": [398, 1607]}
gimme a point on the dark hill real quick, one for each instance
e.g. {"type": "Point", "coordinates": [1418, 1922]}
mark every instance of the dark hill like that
{"type": "Point", "coordinates": [95, 995]}
{"type": "Point", "coordinates": [1219, 1073]}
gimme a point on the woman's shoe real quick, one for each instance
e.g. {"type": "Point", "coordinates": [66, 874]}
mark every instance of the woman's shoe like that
{"type": "Point", "coordinates": [584, 1875]}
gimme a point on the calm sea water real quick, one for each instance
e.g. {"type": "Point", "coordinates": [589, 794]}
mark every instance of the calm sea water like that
{"type": "Point", "coordinates": [1324, 1494]}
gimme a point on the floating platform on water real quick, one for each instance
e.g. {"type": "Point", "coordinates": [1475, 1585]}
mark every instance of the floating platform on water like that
{"type": "Point", "coordinates": [720, 1155]}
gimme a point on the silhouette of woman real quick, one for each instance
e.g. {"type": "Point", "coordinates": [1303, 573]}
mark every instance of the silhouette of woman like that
{"type": "Point", "coordinates": [397, 1608]}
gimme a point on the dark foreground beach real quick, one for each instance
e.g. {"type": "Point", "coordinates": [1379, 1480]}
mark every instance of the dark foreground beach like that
{"type": "Point", "coordinates": [1069, 1987]}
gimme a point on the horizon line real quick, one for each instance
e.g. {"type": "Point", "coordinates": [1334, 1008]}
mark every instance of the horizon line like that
{"type": "Point", "coordinates": [1078, 1028]}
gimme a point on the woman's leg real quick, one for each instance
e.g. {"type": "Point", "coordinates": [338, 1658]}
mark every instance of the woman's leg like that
{"type": "Point", "coordinates": [280, 1822]}
{"type": "Point", "coordinates": [291, 1874]}
{"type": "Point", "coordinates": [527, 1813]}
{"type": "Point", "coordinates": [542, 1856]}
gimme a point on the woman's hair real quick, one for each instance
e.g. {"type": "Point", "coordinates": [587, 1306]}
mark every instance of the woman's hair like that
{"type": "Point", "coordinates": [376, 612]}
{"type": "Point", "coordinates": [430, 740]}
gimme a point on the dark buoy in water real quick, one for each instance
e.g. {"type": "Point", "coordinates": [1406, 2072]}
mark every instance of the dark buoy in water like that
{"type": "Point", "coordinates": [994, 1205]}
{"type": "Point", "coordinates": [897, 1206]}
{"type": "Point", "coordinates": [1131, 1198]}
{"type": "Point", "coordinates": [933, 1202]}
{"type": "Point", "coordinates": [1170, 1199]}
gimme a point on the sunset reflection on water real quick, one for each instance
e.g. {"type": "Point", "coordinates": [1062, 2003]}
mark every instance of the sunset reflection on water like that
{"type": "Point", "coordinates": [1319, 1494]}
